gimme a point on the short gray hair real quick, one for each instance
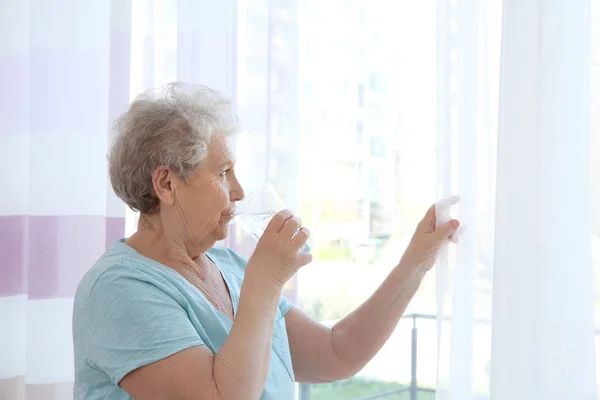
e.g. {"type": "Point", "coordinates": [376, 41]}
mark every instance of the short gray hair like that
{"type": "Point", "coordinates": [168, 127]}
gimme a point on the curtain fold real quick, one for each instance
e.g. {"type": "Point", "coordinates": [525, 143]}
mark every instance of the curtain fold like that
{"type": "Point", "coordinates": [468, 55]}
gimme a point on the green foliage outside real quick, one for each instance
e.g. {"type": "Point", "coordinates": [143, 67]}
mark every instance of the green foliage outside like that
{"type": "Point", "coordinates": [356, 388]}
{"type": "Point", "coordinates": [332, 253]}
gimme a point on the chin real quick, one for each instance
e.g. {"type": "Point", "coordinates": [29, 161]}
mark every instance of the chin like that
{"type": "Point", "coordinates": [222, 232]}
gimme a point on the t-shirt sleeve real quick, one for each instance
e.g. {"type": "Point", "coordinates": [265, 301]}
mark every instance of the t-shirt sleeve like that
{"type": "Point", "coordinates": [133, 322]}
{"type": "Point", "coordinates": [284, 306]}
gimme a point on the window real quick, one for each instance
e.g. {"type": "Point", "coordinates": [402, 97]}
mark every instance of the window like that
{"type": "Point", "coordinates": [359, 132]}
{"type": "Point", "coordinates": [361, 95]}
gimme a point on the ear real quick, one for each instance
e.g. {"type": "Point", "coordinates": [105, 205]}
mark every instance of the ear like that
{"type": "Point", "coordinates": [163, 182]}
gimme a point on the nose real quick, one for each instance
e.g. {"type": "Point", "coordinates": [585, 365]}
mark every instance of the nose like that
{"type": "Point", "coordinates": [236, 192]}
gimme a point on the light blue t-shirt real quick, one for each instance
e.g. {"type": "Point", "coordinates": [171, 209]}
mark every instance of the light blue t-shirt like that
{"type": "Point", "coordinates": [131, 311]}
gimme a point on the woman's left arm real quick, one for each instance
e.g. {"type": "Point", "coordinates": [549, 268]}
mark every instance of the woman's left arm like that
{"type": "Point", "coordinates": [323, 354]}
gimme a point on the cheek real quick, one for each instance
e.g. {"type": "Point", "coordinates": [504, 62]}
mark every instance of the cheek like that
{"type": "Point", "coordinates": [221, 199]}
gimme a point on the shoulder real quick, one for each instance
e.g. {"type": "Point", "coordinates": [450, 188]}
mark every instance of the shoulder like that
{"type": "Point", "coordinates": [115, 282]}
{"type": "Point", "coordinates": [110, 274]}
{"type": "Point", "coordinates": [116, 298]}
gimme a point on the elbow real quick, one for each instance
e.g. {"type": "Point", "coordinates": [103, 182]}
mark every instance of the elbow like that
{"type": "Point", "coordinates": [338, 371]}
{"type": "Point", "coordinates": [347, 370]}
{"type": "Point", "coordinates": [344, 367]}
{"type": "Point", "coordinates": [217, 394]}
{"type": "Point", "coordinates": [329, 373]}
{"type": "Point", "coordinates": [224, 389]}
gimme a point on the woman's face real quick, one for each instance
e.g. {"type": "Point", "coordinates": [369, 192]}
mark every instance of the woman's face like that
{"type": "Point", "coordinates": [204, 205]}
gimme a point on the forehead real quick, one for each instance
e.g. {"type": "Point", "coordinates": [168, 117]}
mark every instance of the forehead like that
{"type": "Point", "coordinates": [220, 150]}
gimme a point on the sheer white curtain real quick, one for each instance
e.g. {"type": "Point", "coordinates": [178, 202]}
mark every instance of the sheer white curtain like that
{"type": "Point", "coordinates": [529, 237]}
{"type": "Point", "coordinates": [185, 40]}
{"type": "Point", "coordinates": [543, 278]}
{"type": "Point", "coordinates": [468, 69]}
{"type": "Point", "coordinates": [64, 74]}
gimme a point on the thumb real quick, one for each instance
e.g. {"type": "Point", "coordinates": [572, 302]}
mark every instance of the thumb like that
{"type": "Point", "coordinates": [446, 230]}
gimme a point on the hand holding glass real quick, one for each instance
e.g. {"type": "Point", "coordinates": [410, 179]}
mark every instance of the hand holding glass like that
{"type": "Point", "coordinates": [256, 210]}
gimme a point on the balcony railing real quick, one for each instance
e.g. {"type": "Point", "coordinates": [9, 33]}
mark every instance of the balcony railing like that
{"type": "Point", "coordinates": [413, 389]}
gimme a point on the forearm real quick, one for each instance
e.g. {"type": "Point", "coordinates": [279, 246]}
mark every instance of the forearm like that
{"type": "Point", "coordinates": [242, 364]}
{"type": "Point", "coordinates": [359, 336]}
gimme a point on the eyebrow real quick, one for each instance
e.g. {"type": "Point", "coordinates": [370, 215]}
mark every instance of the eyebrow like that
{"type": "Point", "coordinates": [228, 163]}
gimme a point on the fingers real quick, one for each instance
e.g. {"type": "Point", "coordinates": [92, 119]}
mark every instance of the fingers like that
{"type": "Point", "coordinates": [301, 238]}
{"type": "Point", "coordinates": [447, 230]}
{"type": "Point", "coordinates": [304, 258]}
{"type": "Point", "coordinates": [457, 234]}
{"type": "Point", "coordinates": [290, 227]}
{"type": "Point", "coordinates": [438, 212]}
{"type": "Point", "coordinates": [430, 214]}
{"type": "Point", "coordinates": [278, 222]}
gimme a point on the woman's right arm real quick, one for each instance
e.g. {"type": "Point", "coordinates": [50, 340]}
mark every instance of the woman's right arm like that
{"type": "Point", "coordinates": [237, 371]}
{"type": "Point", "coordinates": [240, 367]}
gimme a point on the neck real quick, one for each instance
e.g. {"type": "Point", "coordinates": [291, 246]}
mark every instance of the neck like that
{"type": "Point", "coordinates": [156, 241]}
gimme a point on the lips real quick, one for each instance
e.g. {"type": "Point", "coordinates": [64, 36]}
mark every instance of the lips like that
{"type": "Point", "coordinates": [229, 213]}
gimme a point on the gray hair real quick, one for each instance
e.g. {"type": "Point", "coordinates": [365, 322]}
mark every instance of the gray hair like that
{"type": "Point", "coordinates": [169, 127]}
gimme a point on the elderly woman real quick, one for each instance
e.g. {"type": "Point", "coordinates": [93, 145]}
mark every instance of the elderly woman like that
{"type": "Point", "coordinates": [165, 315]}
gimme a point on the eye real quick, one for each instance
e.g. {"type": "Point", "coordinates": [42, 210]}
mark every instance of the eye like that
{"type": "Point", "coordinates": [224, 174]}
